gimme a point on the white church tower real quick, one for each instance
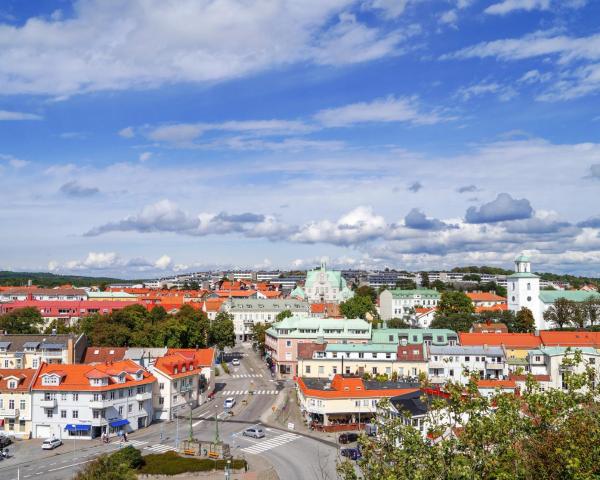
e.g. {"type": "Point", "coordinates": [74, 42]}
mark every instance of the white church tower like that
{"type": "Point", "coordinates": [523, 290]}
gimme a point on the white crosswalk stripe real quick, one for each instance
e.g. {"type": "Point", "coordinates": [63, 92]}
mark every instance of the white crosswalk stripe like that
{"type": "Point", "coordinates": [247, 375]}
{"type": "Point", "coordinates": [232, 393]}
{"type": "Point", "coordinates": [135, 443]}
{"type": "Point", "coordinates": [271, 443]}
{"type": "Point", "coordinates": [160, 448]}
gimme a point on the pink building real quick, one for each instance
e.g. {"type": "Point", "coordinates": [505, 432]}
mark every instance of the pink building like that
{"type": "Point", "coordinates": [283, 338]}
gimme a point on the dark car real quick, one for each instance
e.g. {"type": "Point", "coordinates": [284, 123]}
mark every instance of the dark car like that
{"type": "Point", "coordinates": [351, 453]}
{"type": "Point", "coordinates": [348, 437]}
{"type": "Point", "coordinates": [4, 441]}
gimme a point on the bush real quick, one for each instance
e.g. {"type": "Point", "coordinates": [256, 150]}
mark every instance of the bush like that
{"type": "Point", "coordinates": [170, 463]}
{"type": "Point", "coordinates": [128, 456]}
{"type": "Point", "coordinates": [217, 372]}
{"type": "Point", "coordinates": [225, 367]}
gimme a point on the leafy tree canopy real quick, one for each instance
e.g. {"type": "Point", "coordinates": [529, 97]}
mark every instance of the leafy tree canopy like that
{"type": "Point", "coordinates": [22, 320]}
{"type": "Point", "coordinates": [358, 307]}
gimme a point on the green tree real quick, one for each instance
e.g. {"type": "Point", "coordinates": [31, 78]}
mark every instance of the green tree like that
{"type": "Point", "coordinates": [406, 284]}
{"type": "Point", "coordinates": [358, 307]}
{"type": "Point", "coordinates": [188, 328]}
{"type": "Point", "coordinates": [440, 286]}
{"type": "Point", "coordinates": [105, 468]}
{"type": "Point", "coordinates": [459, 322]}
{"type": "Point", "coordinates": [283, 314]}
{"type": "Point", "coordinates": [222, 332]}
{"type": "Point", "coordinates": [538, 434]}
{"type": "Point", "coordinates": [259, 333]}
{"type": "Point", "coordinates": [158, 314]}
{"type": "Point", "coordinates": [561, 313]}
{"type": "Point", "coordinates": [58, 326]}
{"type": "Point", "coordinates": [22, 321]}
{"type": "Point", "coordinates": [367, 291]}
{"type": "Point", "coordinates": [591, 309]}
{"type": "Point", "coordinates": [397, 323]}
{"type": "Point", "coordinates": [454, 303]}
{"type": "Point", "coordinates": [425, 280]}
{"type": "Point", "coordinates": [524, 321]}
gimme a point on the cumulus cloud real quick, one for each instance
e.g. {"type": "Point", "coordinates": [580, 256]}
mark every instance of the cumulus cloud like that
{"type": "Point", "coordinates": [594, 171]}
{"type": "Point", "coordinates": [14, 161]}
{"type": "Point", "coordinates": [503, 208]}
{"type": "Point", "coordinates": [419, 221]}
{"type": "Point", "coordinates": [467, 189]}
{"type": "Point", "coordinates": [502, 92]}
{"type": "Point", "coordinates": [127, 132]}
{"type": "Point", "coordinates": [507, 6]}
{"type": "Point", "coordinates": [74, 189]}
{"type": "Point", "coordinates": [113, 262]}
{"type": "Point", "coordinates": [6, 115]}
{"type": "Point", "coordinates": [537, 225]}
{"type": "Point", "coordinates": [145, 156]}
{"type": "Point", "coordinates": [184, 41]}
{"type": "Point", "coordinates": [415, 187]}
{"type": "Point", "coordinates": [593, 222]}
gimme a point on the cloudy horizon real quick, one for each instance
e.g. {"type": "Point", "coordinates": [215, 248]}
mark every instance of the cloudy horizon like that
{"type": "Point", "coordinates": [194, 134]}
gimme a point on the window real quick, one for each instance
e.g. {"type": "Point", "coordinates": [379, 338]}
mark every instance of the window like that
{"type": "Point", "coordinates": [374, 370]}
{"type": "Point", "coordinates": [361, 355]}
{"type": "Point", "coordinates": [96, 413]}
{"type": "Point", "coordinates": [63, 414]}
{"type": "Point", "coordinates": [6, 363]}
{"type": "Point", "coordinates": [528, 287]}
{"type": "Point", "coordinates": [161, 386]}
{"type": "Point", "coordinates": [35, 363]}
{"type": "Point", "coordinates": [112, 395]}
{"type": "Point", "coordinates": [334, 370]}
{"type": "Point", "coordinates": [75, 397]}
{"type": "Point", "coordinates": [12, 384]}
{"type": "Point", "coordinates": [467, 359]}
{"type": "Point", "coordinates": [307, 369]}
{"type": "Point", "coordinates": [513, 298]}
{"type": "Point", "coordinates": [529, 299]}
{"type": "Point", "coordinates": [357, 403]}
{"type": "Point", "coordinates": [140, 406]}
{"type": "Point", "coordinates": [75, 413]}
{"type": "Point", "coordinates": [321, 369]}
{"type": "Point", "coordinates": [121, 411]}
{"type": "Point", "coordinates": [22, 404]}
{"type": "Point", "coordinates": [129, 408]}
{"type": "Point", "coordinates": [63, 397]}
{"type": "Point", "coordinates": [288, 343]}
{"type": "Point", "coordinates": [388, 355]}
{"type": "Point", "coordinates": [161, 400]}
{"type": "Point", "coordinates": [11, 404]}
{"type": "Point", "coordinates": [49, 413]}
{"type": "Point", "coordinates": [121, 393]}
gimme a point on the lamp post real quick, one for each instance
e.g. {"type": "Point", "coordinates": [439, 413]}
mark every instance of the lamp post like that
{"type": "Point", "coordinates": [217, 440]}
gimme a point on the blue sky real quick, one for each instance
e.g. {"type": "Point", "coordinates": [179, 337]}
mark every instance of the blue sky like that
{"type": "Point", "coordinates": [143, 137]}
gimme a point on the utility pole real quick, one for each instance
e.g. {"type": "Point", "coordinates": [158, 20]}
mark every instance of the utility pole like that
{"type": "Point", "coordinates": [217, 440]}
{"type": "Point", "coordinates": [191, 428]}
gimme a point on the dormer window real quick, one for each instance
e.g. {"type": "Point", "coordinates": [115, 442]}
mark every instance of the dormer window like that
{"type": "Point", "coordinates": [175, 371]}
{"type": "Point", "coordinates": [50, 380]}
{"type": "Point", "coordinates": [183, 369]}
{"type": "Point", "coordinates": [191, 367]}
{"type": "Point", "coordinates": [12, 384]}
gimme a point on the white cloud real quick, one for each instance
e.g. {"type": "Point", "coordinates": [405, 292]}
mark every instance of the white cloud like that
{"type": "Point", "coordinates": [127, 132]}
{"type": "Point", "coordinates": [163, 262]}
{"type": "Point", "coordinates": [126, 44]}
{"type": "Point", "coordinates": [502, 92]}
{"type": "Point", "coordinates": [389, 8]}
{"type": "Point", "coordinates": [111, 262]}
{"type": "Point", "coordinates": [7, 115]}
{"type": "Point", "coordinates": [145, 156]}
{"type": "Point", "coordinates": [507, 6]}
{"type": "Point", "coordinates": [450, 17]}
{"type": "Point", "coordinates": [14, 161]}
{"type": "Point", "coordinates": [381, 110]}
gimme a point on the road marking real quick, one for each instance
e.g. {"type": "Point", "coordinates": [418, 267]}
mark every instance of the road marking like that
{"type": "Point", "coordinates": [231, 393]}
{"type": "Point", "coordinates": [246, 375]}
{"type": "Point", "coordinates": [66, 466]}
{"type": "Point", "coordinates": [274, 442]}
{"type": "Point", "coordinates": [197, 423]}
{"type": "Point", "coordinates": [160, 448]}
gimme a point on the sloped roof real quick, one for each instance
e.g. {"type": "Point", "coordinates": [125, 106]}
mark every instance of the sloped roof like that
{"type": "Point", "coordinates": [24, 377]}
{"type": "Point", "coordinates": [103, 354]}
{"type": "Point", "coordinates": [510, 340]}
{"type": "Point", "coordinates": [550, 296]}
{"type": "Point", "coordinates": [570, 339]}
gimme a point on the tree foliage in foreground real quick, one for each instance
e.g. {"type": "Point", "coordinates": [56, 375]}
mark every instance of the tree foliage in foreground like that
{"type": "Point", "coordinates": [539, 435]}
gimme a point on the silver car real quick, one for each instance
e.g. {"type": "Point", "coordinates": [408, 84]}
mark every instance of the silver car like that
{"type": "Point", "coordinates": [255, 432]}
{"type": "Point", "coordinates": [51, 443]}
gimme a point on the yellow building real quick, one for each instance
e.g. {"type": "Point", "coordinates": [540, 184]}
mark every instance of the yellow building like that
{"type": "Point", "coordinates": [15, 401]}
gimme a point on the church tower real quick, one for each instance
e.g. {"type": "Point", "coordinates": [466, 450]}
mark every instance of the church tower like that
{"type": "Point", "coordinates": [523, 290]}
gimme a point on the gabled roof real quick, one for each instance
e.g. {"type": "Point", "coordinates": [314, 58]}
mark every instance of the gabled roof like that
{"type": "Point", "coordinates": [307, 349]}
{"type": "Point", "coordinates": [104, 354]}
{"type": "Point", "coordinates": [176, 361]}
{"type": "Point", "coordinates": [509, 340]}
{"type": "Point", "coordinates": [24, 377]}
{"type": "Point", "coordinates": [570, 339]}
{"type": "Point", "coordinates": [502, 384]}
{"type": "Point", "coordinates": [76, 377]}
{"type": "Point", "coordinates": [485, 297]}
{"type": "Point", "coordinates": [424, 293]}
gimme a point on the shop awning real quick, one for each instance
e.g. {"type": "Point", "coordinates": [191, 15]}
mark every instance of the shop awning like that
{"type": "Point", "coordinates": [119, 423]}
{"type": "Point", "coordinates": [72, 427]}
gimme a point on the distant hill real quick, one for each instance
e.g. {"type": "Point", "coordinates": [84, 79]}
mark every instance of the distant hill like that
{"type": "Point", "coordinates": [45, 279]}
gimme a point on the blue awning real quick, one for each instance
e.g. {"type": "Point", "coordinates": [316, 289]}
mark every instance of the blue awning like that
{"type": "Point", "coordinates": [71, 427]}
{"type": "Point", "coordinates": [119, 423]}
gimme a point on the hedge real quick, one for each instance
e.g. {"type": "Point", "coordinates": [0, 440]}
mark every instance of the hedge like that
{"type": "Point", "coordinates": [170, 463]}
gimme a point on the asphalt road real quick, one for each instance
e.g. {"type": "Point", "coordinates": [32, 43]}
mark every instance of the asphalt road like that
{"type": "Point", "coordinates": [294, 456]}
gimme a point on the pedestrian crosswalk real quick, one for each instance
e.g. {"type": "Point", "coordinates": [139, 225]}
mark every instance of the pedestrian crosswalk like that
{"type": "Point", "coordinates": [231, 393]}
{"type": "Point", "coordinates": [133, 443]}
{"type": "Point", "coordinates": [246, 375]}
{"type": "Point", "coordinates": [161, 448]}
{"type": "Point", "coordinates": [271, 443]}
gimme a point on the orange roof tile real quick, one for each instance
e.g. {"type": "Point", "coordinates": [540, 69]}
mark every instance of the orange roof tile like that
{"type": "Point", "coordinates": [235, 293]}
{"type": "Point", "coordinates": [485, 297]}
{"type": "Point", "coordinates": [570, 339]}
{"type": "Point", "coordinates": [494, 308]}
{"type": "Point", "coordinates": [355, 389]}
{"type": "Point", "coordinates": [75, 376]}
{"type": "Point", "coordinates": [510, 340]}
{"type": "Point", "coordinates": [496, 384]}
{"type": "Point", "coordinates": [24, 377]}
{"type": "Point", "coordinates": [103, 354]}
{"type": "Point", "coordinates": [178, 359]}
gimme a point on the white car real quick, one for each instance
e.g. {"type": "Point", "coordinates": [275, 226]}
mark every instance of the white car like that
{"type": "Point", "coordinates": [229, 402]}
{"type": "Point", "coordinates": [235, 362]}
{"type": "Point", "coordinates": [51, 443]}
{"type": "Point", "coordinates": [255, 432]}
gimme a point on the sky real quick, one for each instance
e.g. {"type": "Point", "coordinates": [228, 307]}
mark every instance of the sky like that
{"type": "Point", "coordinates": [144, 137]}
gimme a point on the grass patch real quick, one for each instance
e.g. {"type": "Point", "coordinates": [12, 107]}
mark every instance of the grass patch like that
{"type": "Point", "coordinates": [170, 463]}
{"type": "Point", "coordinates": [225, 367]}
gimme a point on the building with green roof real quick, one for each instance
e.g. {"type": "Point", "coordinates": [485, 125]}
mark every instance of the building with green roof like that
{"type": "Point", "coordinates": [399, 303]}
{"type": "Point", "coordinates": [325, 286]}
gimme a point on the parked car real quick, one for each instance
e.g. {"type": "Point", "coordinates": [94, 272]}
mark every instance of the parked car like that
{"type": "Point", "coordinates": [351, 453]}
{"type": "Point", "coordinates": [229, 402]}
{"type": "Point", "coordinates": [348, 437]}
{"type": "Point", "coordinates": [51, 443]}
{"type": "Point", "coordinates": [255, 432]}
{"type": "Point", "coordinates": [235, 362]}
{"type": "Point", "coordinates": [4, 441]}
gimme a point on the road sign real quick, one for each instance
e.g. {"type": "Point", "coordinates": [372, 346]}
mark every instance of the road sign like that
{"type": "Point", "coordinates": [290, 426]}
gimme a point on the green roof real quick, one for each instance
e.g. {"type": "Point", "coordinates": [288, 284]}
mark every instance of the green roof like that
{"type": "Point", "coordinates": [550, 296]}
{"type": "Point", "coordinates": [554, 351]}
{"type": "Point", "coordinates": [422, 292]}
{"type": "Point", "coordinates": [259, 304]}
{"type": "Point", "coordinates": [298, 292]}
{"type": "Point", "coordinates": [295, 324]}
{"type": "Point", "coordinates": [361, 347]}
{"type": "Point", "coordinates": [413, 335]}
{"type": "Point", "coordinates": [522, 258]}
{"type": "Point", "coordinates": [523, 275]}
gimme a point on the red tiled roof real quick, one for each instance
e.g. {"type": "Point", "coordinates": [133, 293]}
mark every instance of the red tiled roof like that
{"type": "Point", "coordinates": [103, 354]}
{"type": "Point", "coordinates": [235, 293]}
{"type": "Point", "coordinates": [204, 357]}
{"type": "Point", "coordinates": [24, 377]}
{"type": "Point", "coordinates": [177, 359]}
{"type": "Point", "coordinates": [494, 308]}
{"type": "Point", "coordinates": [510, 340]}
{"type": "Point", "coordinates": [485, 297]}
{"type": "Point", "coordinates": [538, 378]}
{"type": "Point", "coordinates": [306, 349]}
{"type": "Point", "coordinates": [75, 377]}
{"type": "Point", "coordinates": [570, 339]}
{"type": "Point", "coordinates": [213, 304]}
{"type": "Point", "coordinates": [496, 384]}
{"type": "Point", "coordinates": [345, 387]}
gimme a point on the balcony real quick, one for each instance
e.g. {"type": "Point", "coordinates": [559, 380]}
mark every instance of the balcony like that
{"type": "Point", "coordinates": [48, 403]}
{"type": "Point", "coordinates": [10, 413]}
{"type": "Point", "coordinates": [140, 397]}
{"type": "Point", "coordinates": [494, 365]}
{"type": "Point", "coordinates": [99, 404]}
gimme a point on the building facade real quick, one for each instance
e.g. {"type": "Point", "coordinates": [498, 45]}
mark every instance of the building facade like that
{"type": "Point", "coordinates": [324, 286]}
{"type": "Point", "coordinates": [15, 402]}
{"type": "Point", "coordinates": [402, 303]}
{"type": "Point", "coordinates": [451, 363]}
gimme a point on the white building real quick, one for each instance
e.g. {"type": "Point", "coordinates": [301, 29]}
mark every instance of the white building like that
{"type": "Point", "coordinates": [548, 361]}
{"type": "Point", "coordinates": [323, 286]}
{"type": "Point", "coordinates": [449, 363]}
{"type": "Point", "coordinates": [20, 294]}
{"type": "Point", "coordinates": [247, 312]}
{"type": "Point", "coordinates": [85, 401]}
{"type": "Point", "coordinates": [183, 380]}
{"type": "Point", "coordinates": [402, 303]}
